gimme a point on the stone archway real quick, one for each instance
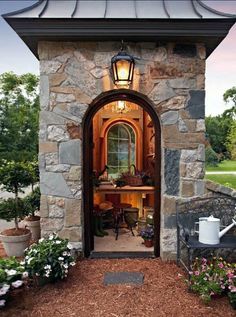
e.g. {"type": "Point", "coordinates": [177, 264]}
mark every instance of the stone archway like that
{"type": "Point", "coordinates": [87, 190]}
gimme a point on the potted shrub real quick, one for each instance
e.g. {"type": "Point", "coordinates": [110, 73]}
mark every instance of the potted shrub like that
{"type": "Point", "coordinates": [14, 176]}
{"type": "Point", "coordinates": [12, 276]}
{"type": "Point", "coordinates": [49, 260]}
{"type": "Point", "coordinates": [32, 205]}
{"type": "Point", "coordinates": [148, 236]}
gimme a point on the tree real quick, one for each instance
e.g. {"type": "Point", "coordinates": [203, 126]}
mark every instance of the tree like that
{"type": "Point", "coordinates": [230, 96]}
{"type": "Point", "coordinates": [19, 109]}
{"type": "Point", "coordinates": [231, 141]}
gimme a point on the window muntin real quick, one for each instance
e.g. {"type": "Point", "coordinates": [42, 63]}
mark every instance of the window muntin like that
{"type": "Point", "coordinates": [120, 149]}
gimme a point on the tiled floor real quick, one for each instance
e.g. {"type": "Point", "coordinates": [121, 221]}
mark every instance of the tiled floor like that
{"type": "Point", "coordinates": [125, 243]}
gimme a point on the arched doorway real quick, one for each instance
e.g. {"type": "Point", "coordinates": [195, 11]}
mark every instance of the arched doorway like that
{"type": "Point", "coordinates": [99, 102]}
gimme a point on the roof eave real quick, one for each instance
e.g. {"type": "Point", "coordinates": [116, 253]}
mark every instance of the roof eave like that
{"type": "Point", "coordinates": [208, 31]}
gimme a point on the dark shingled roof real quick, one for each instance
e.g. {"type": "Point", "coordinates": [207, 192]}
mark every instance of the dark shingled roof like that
{"type": "Point", "coordinates": [146, 20]}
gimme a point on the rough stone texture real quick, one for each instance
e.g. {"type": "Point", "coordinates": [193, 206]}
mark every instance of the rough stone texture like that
{"type": "Point", "coordinates": [73, 234]}
{"type": "Point", "coordinates": [44, 92]}
{"type": "Point", "coordinates": [73, 212]}
{"type": "Point", "coordinates": [187, 189]}
{"type": "Point", "coordinates": [196, 104]}
{"type": "Point", "coordinates": [57, 133]}
{"type": "Point", "coordinates": [172, 158]}
{"type": "Point", "coordinates": [70, 152]}
{"type": "Point", "coordinates": [172, 76]}
{"type": "Point", "coordinates": [47, 147]}
{"type": "Point", "coordinates": [170, 117]}
{"type": "Point", "coordinates": [219, 189]}
{"type": "Point", "coordinates": [54, 184]}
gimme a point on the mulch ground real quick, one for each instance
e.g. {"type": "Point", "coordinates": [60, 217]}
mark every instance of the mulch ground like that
{"type": "Point", "coordinates": [83, 294]}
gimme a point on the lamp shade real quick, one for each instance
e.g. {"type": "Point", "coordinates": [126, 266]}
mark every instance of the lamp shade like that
{"type": "Point", "coordinates": [122, 66]}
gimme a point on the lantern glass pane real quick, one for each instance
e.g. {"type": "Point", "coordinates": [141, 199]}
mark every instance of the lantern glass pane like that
{"type": "Point", "coordinates": [123, 71]}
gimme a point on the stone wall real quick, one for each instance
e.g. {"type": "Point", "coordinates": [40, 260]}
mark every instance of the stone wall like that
{"type": "Point", "coordinates": [72, 75]}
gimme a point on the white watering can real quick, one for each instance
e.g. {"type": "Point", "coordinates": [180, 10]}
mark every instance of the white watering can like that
{"type": "Point", "coordinates": [209, 230]}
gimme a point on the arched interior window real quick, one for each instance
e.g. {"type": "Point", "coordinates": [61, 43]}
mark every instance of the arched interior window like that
{"type": "Point", "coordinates": [120, 149]}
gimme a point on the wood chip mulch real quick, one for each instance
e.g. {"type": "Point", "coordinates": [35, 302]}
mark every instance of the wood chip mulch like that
{"type": "Point", "coordinates": [83, 294]}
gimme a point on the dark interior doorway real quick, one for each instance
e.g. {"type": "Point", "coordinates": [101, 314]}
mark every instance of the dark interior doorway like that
{"type": "Point", "coordinates": [88, 192]}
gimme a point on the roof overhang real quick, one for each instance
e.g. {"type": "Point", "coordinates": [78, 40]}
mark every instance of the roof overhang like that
{"type": "Point", "coordinates": [208, 31]}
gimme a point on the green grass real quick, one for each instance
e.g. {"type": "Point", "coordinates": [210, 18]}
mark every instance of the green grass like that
{"type": "Point", "coordinates": [225, 166]}
{"type": "Point", "coordinates": [228, 180]}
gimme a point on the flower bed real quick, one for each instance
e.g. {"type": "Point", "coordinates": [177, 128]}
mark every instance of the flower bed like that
{"type": "Point", "coordinates": [210, 278]}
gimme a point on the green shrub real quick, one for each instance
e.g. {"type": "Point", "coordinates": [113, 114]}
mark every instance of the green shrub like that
{"type": "Point", "coordinates": [211, 157]}
{"type": "Point", "coordinates": [32, 202]}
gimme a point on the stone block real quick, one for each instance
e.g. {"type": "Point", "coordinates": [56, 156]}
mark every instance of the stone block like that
{"type": "Point", "coordinates": [172, 160]}
{"type": "Point", "coordinates": [169, 204]}
{"type": "Point", "coordinates": [70, 152]}
{"type": "Point", "coordinates": [191, 125]}
{"type": "Point", "coordinates": [73, 234]}
{"type": "Point", "coordinates": [196, 104]}
{"type": "Point", "coordinates": [74, 130]}
{"type": "Point", "coordinates": [200, 125]}
{"type": "Point", "coordinates": [54, 184]}
{"type": "Point", "coordinates": [73, 212]}
{"type": "Point", "coordinates": [189, 156]}
{"type": "Point", "coordinates": [57, 133]}
{"type": "Point", "coordinates": [49, 67]}
{"type": "Point", "coordinates": [168, 240]}
{"type": "Point", "coordinates": [43, 207]}
{"type": "Point", "coordinates": [185, 50]}
{"type": "Point", "coordinates": [61, 168]}
{"type": "Point", "coordinates": [42, 163]}
{"type": "Point", "coordinates": [44, 92]}
{"type": "Point", "coordinates": [57, 79]}
{"type": "Point", "coordinates": [56, 211]}
{"type": "Point", "coordinates": [187, 189]}
{"type": "Point", "coordinates": [201, 153]}
{"type": "Point", "coordinates": [65, 97]}
{"type": "Point", "coordinates": [51, 158]}
{"type": "Point", "coordinates": [199, 188]}
{"type": "Point", "coordinates": [161, 92]}
{"type": "Point", "coordinates": [59, 201]}
{"type": "Point", "coordinates": [52, 224]}
{"type": "Point", "coordinates": [188, 83]}
{"type": "Point", "coordinates": [182, 126]}
{"type": "Point", "coordinates": [75, 173]}
{"type": "Point", "coordinates": [170, 117]}
{"type": "Point", "coordinates": [49, 118]}
{"type": "Point", "coordinates": [47, 147]}
{"type": "Point", "coordinates": [195, 170]}
{"type": "Point", "coordinates": [175, 103]}
{"type": "Point", "coordinates": [78, 110]}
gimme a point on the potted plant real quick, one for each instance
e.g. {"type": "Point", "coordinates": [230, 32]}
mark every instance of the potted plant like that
{"type": "Point", "coordinates": [14, 176]}
{"type": "Point", "coordinates": [148, 235]}
{"type": "Point", "coordinates": [32, 205]}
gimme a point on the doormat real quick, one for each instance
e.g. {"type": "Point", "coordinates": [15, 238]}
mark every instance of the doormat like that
{"type": "Point", "coordinates": [123, 278]}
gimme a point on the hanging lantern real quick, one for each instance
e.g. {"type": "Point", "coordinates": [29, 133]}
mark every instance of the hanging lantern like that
{"type": "Point", "coordinates": [120, 107]}
{"type": "Point", "coordinates": [122, 66]}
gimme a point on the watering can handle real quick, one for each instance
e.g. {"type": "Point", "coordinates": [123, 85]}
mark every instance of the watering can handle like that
{"type": "Point", "coordinates": [195, 227]}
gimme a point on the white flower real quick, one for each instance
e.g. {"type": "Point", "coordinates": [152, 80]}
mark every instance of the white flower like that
{"type": "Point", "coordinates": [69, 246]}
{"type": "Point", "coordinates": [26, 258]}
{"type": "Point", "coordinates": [58, 242]}
{"type": "Point", "coordinates": [2, 302]}
{"type": "Point", "coordinates": [64, 253]}
{"type": "Point", "coordinates": [22, 263]}
{"type": "Point", "coordinates": [37, 274]}
{"type": "Point", "coordinates": [11, 272]}
{"type": "Point", "coordinates": [65, 266]}
{"type": "Point", "coordinates": [72, 263]}
{"type": "Point", "coordinates": [50, 237]}
{"type": "Point", "coordinates": [4, 289]}
{"type": "Point", "coordinates": [47, 267]}
{"type": "Point", "coordinates": [25, 274]}
{"type": "Point", "coordinates": [17, 284]}
{"type": "Point", "coordinates": [26, 249]}
{"type": "Point", "coordinates": [29, 260]}
{"type": "Point", "coordinates": [60, 258]}
{"type": "Point", "coordinates": [41, 240]}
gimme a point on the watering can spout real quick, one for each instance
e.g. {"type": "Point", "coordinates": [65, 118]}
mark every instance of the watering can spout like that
{"type": "Point", "coordinates": [222, 232]}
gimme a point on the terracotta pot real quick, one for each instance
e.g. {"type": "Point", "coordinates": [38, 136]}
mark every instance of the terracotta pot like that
{"type": "Point", "coordinates": [15, 245]}
{"type": "Point", "coordinates": [148, 243]}
{"type": "Point", "coordinates": [34, 227]}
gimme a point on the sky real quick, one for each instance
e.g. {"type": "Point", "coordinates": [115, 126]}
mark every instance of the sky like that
{"type": "Point", "coordinates": [220, 66]}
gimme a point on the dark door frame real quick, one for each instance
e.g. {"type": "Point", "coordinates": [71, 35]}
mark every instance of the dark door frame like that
{"type": "Point", "coordinates": [87, 187]}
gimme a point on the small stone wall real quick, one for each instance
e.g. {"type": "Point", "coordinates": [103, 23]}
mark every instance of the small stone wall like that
{"type": "Point", "coordinates": [214, 189]}
{"type": "Point", "coordinates": [73, 74]}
